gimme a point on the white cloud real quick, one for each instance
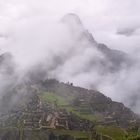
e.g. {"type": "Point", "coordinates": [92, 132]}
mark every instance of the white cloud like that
{"type": "Point", "coordinates": [33, 33]}
{"type": "Point", "coordinates": [101, 17]}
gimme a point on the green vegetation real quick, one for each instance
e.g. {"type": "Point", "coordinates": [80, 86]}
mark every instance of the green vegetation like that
{"type": "Point", "coordinates": [76, 134]}
{"type": "Point", "coordinates": [37, 135]}
{"type": "Point", "coordinates": [82, 115]}
{"type": "Point", "coordinates": [115, 132]}
{"type": "Point", "coordinates": [36, 121]}
{"type": "Point", "coordinates": [42, 135]}
{"type": "Point", "coordinates": [13, 133]}
{"type": "Point", "coordinates": [53, 98]}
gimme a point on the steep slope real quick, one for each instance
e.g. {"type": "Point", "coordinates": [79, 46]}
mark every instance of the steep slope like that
{"type": "Point", "coordinates": [112, 61]}
{"type": "Point", "coordinates": [36, 108]}
{"type": "Point", "coordinates": [8, 77]}
{"type": "Point", "coordinates": [61, 110]}
{"type": "Point", "coordinates": [92, 101]}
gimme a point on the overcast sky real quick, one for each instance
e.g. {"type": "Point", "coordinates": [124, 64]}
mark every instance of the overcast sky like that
{"type": "Point", "coordinates": [103, 18]}
{"type": "Point", "coordinates": [28, 29]}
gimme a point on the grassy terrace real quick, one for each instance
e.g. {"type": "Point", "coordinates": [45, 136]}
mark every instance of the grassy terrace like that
{"type": "Point", "coordinates": [64, 103]}
{"type": "Point", "coordinates": [42, 135]}
{"type": "Point", "coordinates": [76, 134]}
{"type": "Point", "coordinates": [52, 98]}
{"type": "Point", "coordinates": [87, 116]}
{"type": "Point", "coordinates": [115, 132]}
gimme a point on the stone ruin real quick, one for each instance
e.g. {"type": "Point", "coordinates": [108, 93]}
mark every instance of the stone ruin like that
{"type": "Point", "coordinates": [48, 116]}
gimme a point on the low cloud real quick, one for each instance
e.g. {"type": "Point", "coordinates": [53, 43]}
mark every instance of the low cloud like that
{"type": "Point", "coordinates": [45, 47]}
{"type": "Point", "coordinates": [128, 31]}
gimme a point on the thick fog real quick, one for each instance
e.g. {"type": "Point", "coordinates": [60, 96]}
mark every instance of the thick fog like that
{"type": "Point", "coordinates": [46, 43]}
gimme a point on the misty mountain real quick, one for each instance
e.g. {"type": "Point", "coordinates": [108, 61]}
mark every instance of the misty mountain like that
{"type": "Point", "coordinates": [94, 101]}
{"type": "Point", "coordinates": [113, 60]}
{"type": "Point", "coordinates": [80, 60]}
{"type": "Point", "coordinates": [7, 66]}
{"type": "Point", "coordinates": [107, 61]}
{"type": "Point", "coordinates": [69, 70]}
{"type": "Point", "coordinates": [95, 57]}
{"type": "Point", "coordinates": [72, 110]}
{"type": "Point", "coordinates": [8, 76]}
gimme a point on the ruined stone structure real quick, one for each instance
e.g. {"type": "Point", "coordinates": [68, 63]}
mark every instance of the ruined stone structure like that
{"type": "Point", "coordinates": [33, 113]}
{"type": "Point", "coordinates": [39, 116]}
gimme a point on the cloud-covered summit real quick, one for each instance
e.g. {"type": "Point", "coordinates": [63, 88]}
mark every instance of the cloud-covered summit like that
{"type": "Point", "coordinates": [39, 41]}
{"type": "Point", "coordinates": [67, 51]}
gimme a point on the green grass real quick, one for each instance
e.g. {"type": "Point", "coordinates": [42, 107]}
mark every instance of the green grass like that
{"type": "Point", "coordinates": [5, 129]}
{"type": "Point", "coordinates": [36, 135]}
{"type": "Point", "coordinates": [42, 135]}
{"type": "Point", "coordinates": [63, 103]}
{"type": "Point", "coordinates": [82, 115]}
{"type": "Point", "coordinates": [52, 98]}
{"type": "Point", "coordinates": [76, 134]}
{"type": "Point", "coordinates": [115, 132]}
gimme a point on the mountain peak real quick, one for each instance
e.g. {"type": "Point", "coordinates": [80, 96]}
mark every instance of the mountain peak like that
{"type": "Point", "coordinates": [72, 19]}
